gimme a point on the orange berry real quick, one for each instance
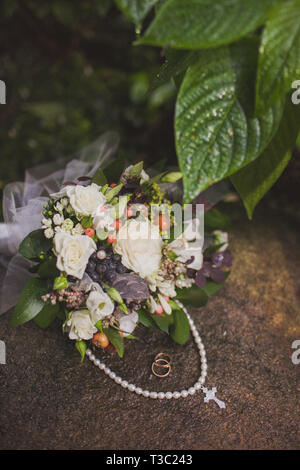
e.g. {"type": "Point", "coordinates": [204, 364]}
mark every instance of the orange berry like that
{"type": "Point", "coordinates": [100, 340]}
{"type": "Point", "coordinates": [111, 238]}
{"type": "Point", "coordinates": [112, 185]}
{"type": "Point", "coordinates": [129, 212]}
{"type": "Point", "coordinates": [163, 222]}
{"type": "Point", "coordinates": [159, 310]}
{"type": "Point", "coordinates": [121, 334]}
{"type": "Point", "coordinates": [90, 232]}
{"type": "Point", "coordinates": [118, 224]}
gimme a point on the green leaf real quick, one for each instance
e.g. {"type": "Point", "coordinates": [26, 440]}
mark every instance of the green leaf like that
{"type": "Point", "coordinates": [172, 177]}
{"type": "Point", "coordinates": [163, 323]}
{"type": "Point", "coordinates": [60, 282]}
{"type": "Point", "coordinates": [98, 325]}
{"type": "Point", "coordinates": [30, 302]}
{"type": "Point", "coordinates": [180, 330]}
{"type": "Point", "coordinates": [34, 244]}
{"type": "Point", "coordinates": [279, 54]}
{"type": "Point", "coordinates": [136, 170]}
{"type": "Point", "coordinates": [116, 340]}
{"type": "Point", "coordinates": [216, 219]}
{"type": "Point", "coordinates": [215, 134]}
{"type": "Point", "coordinates": [47, 315]}
{"type": "Point", "coordinates": [81, 348]}
{"type": "Point", "coordinates": [99, 178]}
{"type": "Point", "coordinates": [47, 269]}
{"type": "Point", "coordinates": [253, 181]}
{"type": "Point", "coordinates": [196, 24]}
{"type": "Point", "coordinates": [145, 319]}
{"type": "Point", "coordinates": [87, 221]}
{"type": "Point", "coordinates": [193, 296]}
{"type": "Point", "coordinates": [113, 192]}
{"type": "Point", "coordinates": [136, 10]}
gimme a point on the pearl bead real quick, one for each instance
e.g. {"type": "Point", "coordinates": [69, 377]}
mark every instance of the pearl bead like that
{"type": "Point", "coordinates": [124, 383]}
{"type": "Point", "coordinates": [153, 394]}
{"type": "Point", "coordinates": [101, 254]}
{"type": "Point", "coordinates": [97, 362]}
{"type": "Point", "coordinates": [102, 366]}
{"type": "Point", "coordinates": [112, 375]}
{"type": "Point", "coordinates": [131, 387]}
{"type": "Point", "coordinates": [88, 352]}
{"type": "Point", "coordinates": [92, 357]}
{"type": "Point", "coordinates": [118, 380]}
{"type": "Point", "coordinates": [161, 395]}
{"type": "Point", "coordinates": [176, 394]}
{"type": "Point", "coordinates": [184, 393]}
{"type": "Point", "coordinates": [169, 395]}
{"type": "Point", "coordinates": [139, 390]}
{"type": "Point", "coordinates": [197, 386]}
{"type": "Point", "coordinates": [146, 393]}
{"type": "Point", "coordinates": [201, 380]}
{"type": "Point", "coordinates": [191, 391]}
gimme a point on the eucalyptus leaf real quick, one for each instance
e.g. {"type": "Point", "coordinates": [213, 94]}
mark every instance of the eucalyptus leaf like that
{"type": "Point", "coordinates": [30, 302]}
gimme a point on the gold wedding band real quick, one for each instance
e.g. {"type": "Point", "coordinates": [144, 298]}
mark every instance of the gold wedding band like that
{"type": "Point", "coordinates": [161, 363]}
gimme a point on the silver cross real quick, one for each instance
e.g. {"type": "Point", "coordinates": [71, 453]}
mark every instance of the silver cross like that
{"type": "Point", "coordinates": [211, 395]}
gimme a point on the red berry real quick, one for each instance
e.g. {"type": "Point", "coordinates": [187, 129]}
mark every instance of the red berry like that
{"type": "Point", "coordinates": [118, 224]}
{"type": "Point", "coordinates": [112, 185]}
{"type": "Point", "coordinates": [163, 221]}
{"type": "Point", "coordinates": [90, 232]}
{"type": "Point", "coordinates": [159, 310]}
{"type": "Point", "coordinates": [129, 212]}
{"type": "Point", "coordinates": [111, 238]}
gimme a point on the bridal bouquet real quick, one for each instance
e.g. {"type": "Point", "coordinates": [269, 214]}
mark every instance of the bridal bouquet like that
{"type": "Point", "coordinates": [111, 255]}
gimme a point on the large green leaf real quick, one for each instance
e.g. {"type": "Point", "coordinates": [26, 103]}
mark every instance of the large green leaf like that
{"type": "Point", "coordinates": [136, 10]}
{"type": "Point", "coordinates": [99, 178]}
{"type": "Point", "coordinates": [30, 302]}
{"type": "Point", "coordinates": [193, 296]}
{"type": "Point", "coordinates": [279, 54]}
{"type": "Point", "coordinates": [180, 329]}
{"type": "Point", "coordinates": [253, 181]}
{"type": "Point", "coordinates": [34, 244]}
{"type": "Point", "coordinates": [116, 340]}
{"type": "Point", "coordinates": [47, 315]}
{"type": "Point", "coordinates": [81, 348]}
{"type": "Point", "coordinates": [216, 133]}
{"type": "Point", "coordinates": [198, 24]}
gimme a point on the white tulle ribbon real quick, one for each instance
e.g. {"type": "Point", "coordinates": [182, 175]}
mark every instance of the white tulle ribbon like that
{"type": "Point", "coordinates": [23, 205]}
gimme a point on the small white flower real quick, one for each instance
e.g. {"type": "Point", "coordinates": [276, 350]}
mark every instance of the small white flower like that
{"type": "Point", "coordinates": [79, 325]}
{"type": "Point", "coordinates": [48, 233]}
{"type": "Point", "coordinates": [46, 223]}
{"type": "Point", "coordinates": [78, 229]}
{"type": "Point", "coordinates": [99, 304]}
{"type": "Point", "coordinates": [164, 304]}
{"type": "Point", "coordinates": [221, 238]}
{"type": "Point", "coordinates": [152, 305]}
{"type": "Point", "coordinates": [73, 252]}
{"type": "Point", "coordinates": [64, 201]}
{"type": "Point", "coordinates": [59, 207]}
{"type": "Point", "coordinates": [127, 323]}
{"type": "Point", "coordinates": [68, 224]}
{"type": "Point", "coordinates": [58, 219]}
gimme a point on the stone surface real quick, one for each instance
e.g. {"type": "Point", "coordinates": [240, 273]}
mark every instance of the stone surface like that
{"type": "Point", "coordinates": [49, 400]}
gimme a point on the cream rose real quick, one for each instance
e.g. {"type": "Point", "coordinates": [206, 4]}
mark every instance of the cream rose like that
{"type": "Point", "coordinates": [85, 200]}
{"type": "Point", "coordinates": [79, 325]}
{"type": "Point", "coordinates": [99, 304]}
{"type": "Point", "coordinates": [139, 244]}
{"type": "Point", "coordinates": [73, 252]}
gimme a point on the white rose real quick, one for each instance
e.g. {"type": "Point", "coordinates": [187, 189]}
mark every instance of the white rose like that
{"type": "Point", "coordinates": [73, 252]}
{"type": "Point", "coordinates": [49, 232]}
{"type": "Point", "coordinates": [99, 304]}
{"type": "Point", "coordinates": [139, 244]}
{"type": "Point", "coordinates": [86, 200]}
{"type": "Point", "coordinates": [58, 219]}
{"type": "Point", "coordinates": [127, 323]}
{"type": "Point", "coordinates": [79, 325]}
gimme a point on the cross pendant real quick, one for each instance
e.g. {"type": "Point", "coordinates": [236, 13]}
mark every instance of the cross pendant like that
{"type": "Point", "coordinates": [211, 395]}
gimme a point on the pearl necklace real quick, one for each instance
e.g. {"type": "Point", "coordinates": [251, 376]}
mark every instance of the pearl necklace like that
{"type": "Point", "coordinates": [199, 385]}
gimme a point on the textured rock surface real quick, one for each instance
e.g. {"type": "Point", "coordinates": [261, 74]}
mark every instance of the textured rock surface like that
{"type": "Point", "coordinates": [49, 400]}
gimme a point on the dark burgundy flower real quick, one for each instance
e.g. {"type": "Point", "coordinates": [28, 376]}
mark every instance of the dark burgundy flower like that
{"type": "Point", "coordinates": [217, 275]}
{"type": "Point", "coordinates": [228, 258]}
{"type": "Point", "coordinates": [200, 279]}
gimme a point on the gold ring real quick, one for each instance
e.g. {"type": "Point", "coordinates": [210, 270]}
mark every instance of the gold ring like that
{"type": "Point", "coordinates": [161, 362]}
{"type": "Point", "coordinates": [162, 355]}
